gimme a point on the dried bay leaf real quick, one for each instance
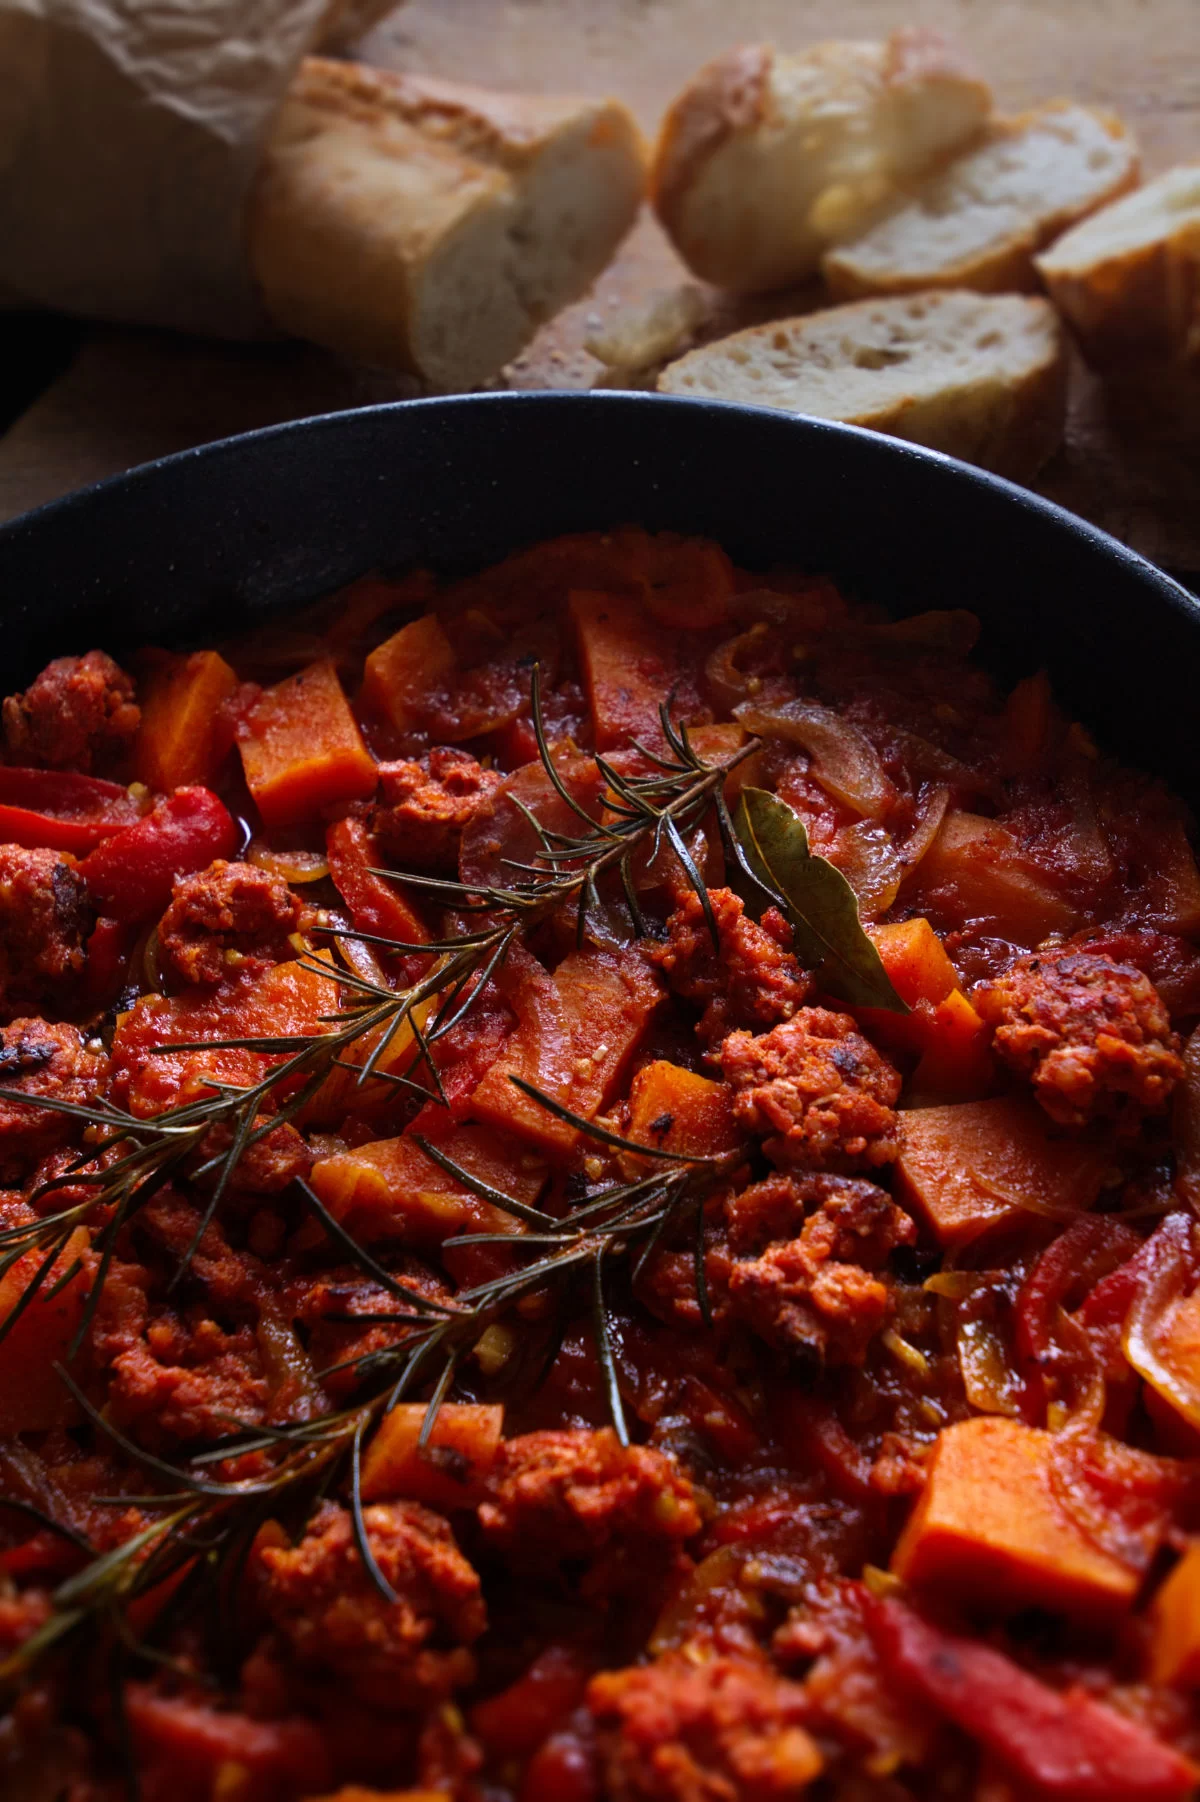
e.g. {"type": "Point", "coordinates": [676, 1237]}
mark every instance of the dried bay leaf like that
{"type": "Point", "coordinates": [817, 899]}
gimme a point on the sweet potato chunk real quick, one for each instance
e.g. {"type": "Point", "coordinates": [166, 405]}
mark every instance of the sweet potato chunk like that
{"type": "Point", "coordinates": [449, 1471]}
{"type": "Point", "coordinates": [972, 871]}
{"type": "Point", "coordinates": [401, 672]}
{"type": "Point", "coordinates": [675, 1110]}
{"type": "Point", "coordinates": [629, 667]}
{"type": "Point", "coordinates": [1175, 1620]}
{"type": "Point", "coordinates": [391, 1189]}
{"type": "Point", "coordinates": [990, 1525]}
{"type": "Point", "coordinates": [182, 739]}
{"type": "Point", "coordinates": [969, 1166]}
{"type": "Point", "coordinates": [301, 749]}
{"type": "Point", "coordinates": [576, 1032]}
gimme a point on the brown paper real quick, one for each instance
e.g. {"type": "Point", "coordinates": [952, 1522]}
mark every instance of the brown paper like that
{"type": "Point", "coordinates": [130, 131]}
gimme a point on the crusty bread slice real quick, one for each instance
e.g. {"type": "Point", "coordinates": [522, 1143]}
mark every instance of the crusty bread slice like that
{"type": "Point", "coordinates": [982, 377]}
{"type": "Point", "coordinates": [766, 159]}
{"type": "Point", "coordinates": [1128, 278]}
{"type": "Point", "coordinates": [421, 225]}
{"type": "Point", "coordinates": [977, 222]}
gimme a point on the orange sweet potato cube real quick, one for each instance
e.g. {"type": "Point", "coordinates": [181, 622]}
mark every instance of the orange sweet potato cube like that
{"type": "Point", "coordinates": [1175, 1625]}
{"type": "Point", "coordinates": [674, 1109]}
{"type": "Point", "coordinates": [968, 1166]}
{"type": "Point", "coordinates": [401, 672]}
{"type": "Point", "coordinates": [302, 749]}
{"type": "Point", "coordinates": [990, 1527]}
{"type": "Point", "coordinates": [975, 863]}
{"type": "Point", "coordinates": [389, 1188]}
{"type": "Point", "coordinates": [449, 1471]}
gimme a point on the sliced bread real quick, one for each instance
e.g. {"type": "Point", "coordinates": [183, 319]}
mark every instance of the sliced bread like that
{"type": "Point", "coordinates": [766, 159]}
{"type": "Point", "coordinates": [982, 377]}
{"type": "Point", "coordinates": [1128, 278]}
{"type": "Point", "coordinates": [978, 221]}
{"type": "Point", "coordinates": [422, 225]}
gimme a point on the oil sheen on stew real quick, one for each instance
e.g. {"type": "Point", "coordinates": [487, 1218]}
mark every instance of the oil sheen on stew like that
{"type": "Point", "coordinates": [488, 1315]}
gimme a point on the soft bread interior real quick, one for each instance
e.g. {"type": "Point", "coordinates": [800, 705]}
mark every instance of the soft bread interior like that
{"type": "Point", "coordinates": [1057, 162]}
{"type": "Point", "coordinates": [854, 362]}
{"type": "Point", "coordinates": [524, 253]}
{"type": "Point", "coordinates": [1161, 209]}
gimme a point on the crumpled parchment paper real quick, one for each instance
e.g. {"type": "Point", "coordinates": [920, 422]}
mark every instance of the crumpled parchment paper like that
{"type": "Point", "coordinates": [130, 131]}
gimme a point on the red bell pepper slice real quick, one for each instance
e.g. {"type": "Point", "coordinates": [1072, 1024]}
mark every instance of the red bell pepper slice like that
{"type": "Point", "coordinates": [376, 905]}
{"type": "Point", "coordinates": [130, 876]}
{"type": "Point", "coordinates": [60, 810]}
{"type": "Point", "coordinates": [1071, 1747]}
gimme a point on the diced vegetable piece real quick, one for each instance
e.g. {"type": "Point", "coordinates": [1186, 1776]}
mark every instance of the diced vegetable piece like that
{"type": "Point", "coordinates": [449, 1471]}
{"type": "Point", "coordinates": [975, 865]}
{"type": "Point", "coordinates": [969, 1166]}
{"type": "Point", "coordinates": [33, 1396]}
{"type": "Point", "coordinates": [401, 673]}
{"type": "Point", "coordinates": [576, 1032]}
{"type": "Point", "coordinates": [990, 1525]}
{"type": "Point", "coordinates": [1161, 1331]}
{"type": "Point", "coordinates": [915, 959]}
{"type": "Point", "coordinates": [1071, 1747]}
{"type": "Point", "coordinates": [376, 905]}
{"type": "Point", "coordinates": [515, 1723]}
{"type": "Point", "coordinates": [391, 1189]}
{"type": "Point", "coordinates": [1175, 1624]}
{"type": "Point", "coordinates": [186, 1749]}
{"type": "Point", "coordinates": [343, 1093]}
{"type": "Point", "coordinates": [131, 874]}
{"type": "Point", "coordinates": [288, 1000]}
{"type": "Point", "coordinates": [957, 1064]}
{"type": "Point", "coordinates": [629, 667]}
{"type": "Point", "coordinates": [183, 738]}
{"type": "Point", "coordinates": [675, 1110]}
{"type": "Point", "coordinates": [301, 749]}
{"type": "Point", "coordinates": [1172, 891]}
{"type": "Point", "coordinates": [689, 583]}
{"type": "Point", "coordinates": [61, 810]}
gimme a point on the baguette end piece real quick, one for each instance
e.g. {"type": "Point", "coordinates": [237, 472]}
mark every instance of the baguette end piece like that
{"type": "Point", "coordinates": [423, 226]}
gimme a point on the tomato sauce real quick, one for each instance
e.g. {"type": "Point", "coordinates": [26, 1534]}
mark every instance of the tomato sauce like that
{"type": "Point", "coordinates": [600, 1167]}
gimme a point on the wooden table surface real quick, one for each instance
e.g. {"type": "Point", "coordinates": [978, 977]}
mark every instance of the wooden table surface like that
{"type": "Point", "coordinates": [128, 396]}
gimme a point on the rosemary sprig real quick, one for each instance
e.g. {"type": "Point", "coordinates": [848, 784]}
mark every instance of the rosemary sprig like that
{"type": "Point", "coordinates": [208, 1525]}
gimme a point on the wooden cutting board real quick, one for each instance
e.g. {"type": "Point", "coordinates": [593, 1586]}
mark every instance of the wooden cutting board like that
{"type": "Point", "coordinates": [129, 396]}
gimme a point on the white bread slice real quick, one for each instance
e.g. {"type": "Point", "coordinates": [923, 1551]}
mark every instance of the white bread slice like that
{"type": "Point", "coordinates": [421, 225]}
{"type": "Point", "coordinates": [977, 222]}
{"type": "Point", "coordinates": [766, 159]}
{"type": "Point", "coordinates": [982, 377]}
{"type": "Point", "coordinates": [1128, 278]}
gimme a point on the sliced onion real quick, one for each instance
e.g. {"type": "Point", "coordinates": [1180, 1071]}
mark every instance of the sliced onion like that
{"type": "Point", "coordinates": [845, 762]}
{"type": "Point", "coordinates": [931, 811]}
{"type": "Point", "coordinates": [954, 631]}
{"type": "Point", "coordinates": [728, 682]}
{"type": "Point", "coordinates": [1149, 1320]}
{"type": "Point", "coordinates": [290, 866]}
{"type": "Point", "coordinates": [867, 857]}
{"type": "Point", "coordinates": [991, 1385]}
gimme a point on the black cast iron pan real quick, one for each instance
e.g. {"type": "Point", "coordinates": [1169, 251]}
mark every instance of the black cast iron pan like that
{"type": "Point", "coordinates": [178, 550]}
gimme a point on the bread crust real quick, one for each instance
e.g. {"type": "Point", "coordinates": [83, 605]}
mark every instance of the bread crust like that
{"type": "Point", "coordinates": [1006, 267]}
{"type": "Point", "coordinates": [727, 95]}
{"type": "Point", "coordinates": [764, 159]}
{"type": "Point", "coordinates": [1137, 304]}
{"type": "Point", "coordinates": [412, 223]}
{"type": "Point", "coordinates": [1010, 422]}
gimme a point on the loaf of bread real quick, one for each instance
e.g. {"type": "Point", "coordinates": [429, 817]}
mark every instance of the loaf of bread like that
{"type": "Point", "coordinates": [979, 221]}
{"type": "Point", "coordinates": [1128, 278]}
{"type": "Point", "coordinates": [764, 160]}
{"type": "Point", "coordinates": [982, 377]}
{"type": "Point", "coordinates": [426, 226]}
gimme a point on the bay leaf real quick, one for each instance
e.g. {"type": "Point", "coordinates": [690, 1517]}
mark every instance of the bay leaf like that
{"type": "Point", "coordinates": [817, 899]}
